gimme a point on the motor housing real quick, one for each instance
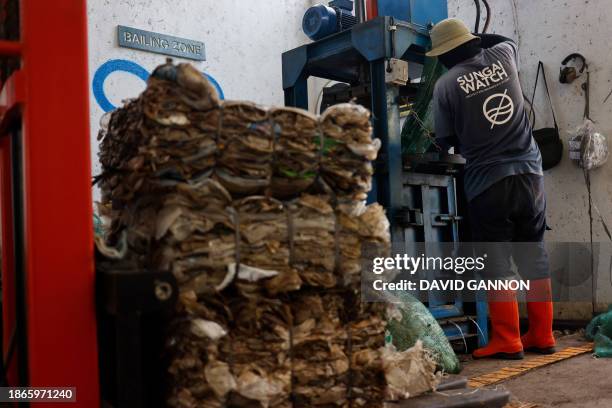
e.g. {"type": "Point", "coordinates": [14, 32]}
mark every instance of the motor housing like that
{"type": "Point", "coordinates": [321, 21]}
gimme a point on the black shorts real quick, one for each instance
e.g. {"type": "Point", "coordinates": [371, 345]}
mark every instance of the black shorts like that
{"type": "Point", "coordinates": [509, 220]}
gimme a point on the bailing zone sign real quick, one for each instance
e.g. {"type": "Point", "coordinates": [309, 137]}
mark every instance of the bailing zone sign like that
{"type": "Point", "coordinates": [160, 43]}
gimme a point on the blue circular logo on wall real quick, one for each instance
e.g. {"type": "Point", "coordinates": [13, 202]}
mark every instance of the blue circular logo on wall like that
{"type": "Point", "coordinates": [120, 65]}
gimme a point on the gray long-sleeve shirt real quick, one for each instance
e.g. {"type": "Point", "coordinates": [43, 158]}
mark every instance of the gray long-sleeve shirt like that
{"type": "Point", "coordinates": [480, 102]}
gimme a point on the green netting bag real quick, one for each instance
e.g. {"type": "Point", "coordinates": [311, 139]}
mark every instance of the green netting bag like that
{"type": "Point", "coordinates": [600, 331]}
{"type": "Point", "coordinates": [418, 127]}
{"type": "Point", "coordinates": [410, 321]}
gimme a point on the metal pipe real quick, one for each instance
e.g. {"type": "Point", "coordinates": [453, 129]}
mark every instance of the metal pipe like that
{"type": "Point", "coordinates": [488, 20]}
{"type": "Point", "coordinates": [360, 11]}
{"type": "Point", "coordinates": [10, 48]}
{"type": "Point", "coordinates": [477, 24]}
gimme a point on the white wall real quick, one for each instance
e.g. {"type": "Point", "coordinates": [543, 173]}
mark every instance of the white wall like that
{"type": "Point", "coordinates": [244, 41]}
{"type": "Point", "coordinates": [503, 19]}
{"type": "Point", "coordinates": [549, 30]}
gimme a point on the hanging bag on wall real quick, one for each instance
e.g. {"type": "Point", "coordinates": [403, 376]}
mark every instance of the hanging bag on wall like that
{"type": "Point", "coordinates": [548, 139]}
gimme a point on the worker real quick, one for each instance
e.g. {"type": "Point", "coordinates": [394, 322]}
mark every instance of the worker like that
{"type": "Point", "coordinates": [479, 108]}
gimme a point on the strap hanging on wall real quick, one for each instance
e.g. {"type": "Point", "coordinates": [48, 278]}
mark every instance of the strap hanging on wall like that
{"type": "Point", "coordinates": [548, 139]}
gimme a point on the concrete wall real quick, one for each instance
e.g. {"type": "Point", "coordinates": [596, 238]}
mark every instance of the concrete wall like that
{"type": "Point", "coordinates": [503, 20]}
{"type": "Point", "coordinates": [548, 31]}
{"type": "Point", "coordinates": [244, 41]}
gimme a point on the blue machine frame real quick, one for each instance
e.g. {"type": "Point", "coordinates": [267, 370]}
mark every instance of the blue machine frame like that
{"type": "Point", "coordinates": [339, 57]}
{"type": "Point", "coordinates": [342, 57]}
{"type": "Point", "coordinates": [421, 12]}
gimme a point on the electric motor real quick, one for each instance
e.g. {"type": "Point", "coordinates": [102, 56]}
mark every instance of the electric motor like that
{"type": "Point", "coordinates": [321, 21]}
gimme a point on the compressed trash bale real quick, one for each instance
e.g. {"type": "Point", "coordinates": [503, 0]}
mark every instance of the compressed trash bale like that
{"type": "Point", "coordinates": [320, 362]}
{"type": "Point", "coordinates": [269, 312]}
{"type": "Point", "coordinates": [153, 136]}
{"type": "Point", "coordinates": [177, 148]}
{"type": "Point", "coordinates": [195, 236]}
{"type": "Point", "coordinates": [362, 237]}
{"type": "Point", "coordinates": [192, 91]}
{"type": "Point", "coordinates": [258, 352]}
{"type": "Point", "coordinates": [367, 372]}
{"type": "Point", "coordinates": [348, 150]}
{"type": "Point", "coordinates": [246, 146]}
{"type": "Point", "coordinates": [366, 333]}
{"type": "Point", "coordinates": [367, 378]}
{"type": "Point", "coordinates": [197, 376]}
{"type": "Point", "coordinates": [179, 130]}
{"type": "Point", "coordinates": [314, 255]}
{"type": "Point", "coordinates": [265, 246]}
{"type": "Point", "coordinates": [124, 170]}
{"type": "Point", "coordinates": [297, 150]}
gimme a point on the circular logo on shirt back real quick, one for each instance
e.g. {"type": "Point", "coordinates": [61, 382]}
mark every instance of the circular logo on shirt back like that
{"type": "Point", "coordinates": [498, 109]}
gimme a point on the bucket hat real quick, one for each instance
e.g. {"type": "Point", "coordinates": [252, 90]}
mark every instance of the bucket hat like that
{"type": "Point", "coordinates": [447, 35]}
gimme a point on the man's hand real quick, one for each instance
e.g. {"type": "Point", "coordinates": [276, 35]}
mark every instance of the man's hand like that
{"type": "Point", "coordinates": [445, 143]}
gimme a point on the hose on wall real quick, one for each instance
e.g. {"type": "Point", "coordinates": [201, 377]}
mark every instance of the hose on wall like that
{"type": "Point", "coordinates": [477, 24]}
{"type": "Point", "coordinates": [488, 20]}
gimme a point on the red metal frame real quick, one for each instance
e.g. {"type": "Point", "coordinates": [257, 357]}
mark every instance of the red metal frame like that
{"type": "Point", "coordinates": [10, 48]}
{"type": "Point", "coordinates": [371, 9]}
{"type": "Point", "coordinates": [50, 94]}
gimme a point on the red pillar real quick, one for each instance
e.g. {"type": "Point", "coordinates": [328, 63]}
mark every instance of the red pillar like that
{"type": "Point", "coordinates": [58, 230]}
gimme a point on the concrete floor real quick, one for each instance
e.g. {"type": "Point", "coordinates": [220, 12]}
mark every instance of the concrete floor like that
{"type": "Point", "coordinates": [580, 382]}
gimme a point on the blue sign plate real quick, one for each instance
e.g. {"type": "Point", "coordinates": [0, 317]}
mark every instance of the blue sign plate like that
{"type": "Point", "coordinates": [160, 43]}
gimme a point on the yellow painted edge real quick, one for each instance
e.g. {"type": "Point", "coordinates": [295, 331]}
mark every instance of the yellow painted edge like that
{"type": "Point", "coordinates": [522, 368]}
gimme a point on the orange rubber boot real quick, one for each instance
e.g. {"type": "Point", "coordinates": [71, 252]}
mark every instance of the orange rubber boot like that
{"type": "Point", "coordinates": [505, 339]}
{"type": "Point", "coordinates": [540, 337]}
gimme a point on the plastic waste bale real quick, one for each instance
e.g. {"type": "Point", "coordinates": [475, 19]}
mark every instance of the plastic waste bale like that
{"type": "Point", "coordinates": [600, 331]}
{"type": "Point", "coordinates": [410, 321]}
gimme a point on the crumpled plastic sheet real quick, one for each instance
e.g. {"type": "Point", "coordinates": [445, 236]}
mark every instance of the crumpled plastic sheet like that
{"type": "Point", "coordinates": [410, 373]}
{"type": "Point", "coordinates": [269, 312]}
{"type": "Point", "coordinates": [599, 330]}
{"type": "Point", "coordinates": [588, 147]}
